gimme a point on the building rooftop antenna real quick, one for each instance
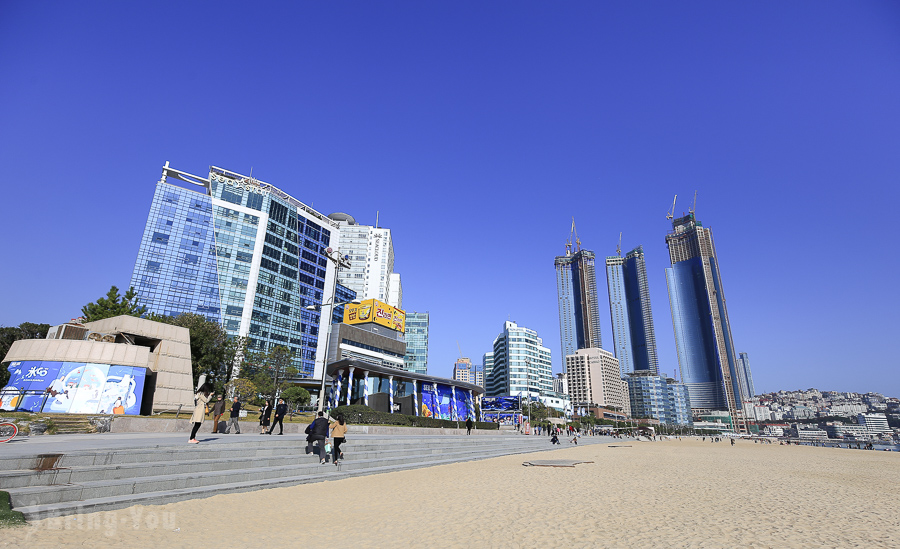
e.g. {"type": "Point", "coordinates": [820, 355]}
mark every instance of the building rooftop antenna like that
{"type": "Point", "coordinates": [619, 246]}
{"type": "Point", "coordinates": [671, 212]}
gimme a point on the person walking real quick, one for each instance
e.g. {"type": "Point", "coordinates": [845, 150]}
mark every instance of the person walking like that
{"type": "Point", "coordinates": [339, 433]}
{"type": "Point", "coordinates": [280, 412]}
{"type": "Point", "coordinates": [317, 431]}
{"type": "Point", "coordinates": [234, 417]}
{"type": "Point", "coordinates": [468, 426]}
{"type": "Point", "coordinates": [218, 412]}
{"type": "Point", "coordinates": [265, 416]}
{"type": "Point", "coordinates": [204, 393]}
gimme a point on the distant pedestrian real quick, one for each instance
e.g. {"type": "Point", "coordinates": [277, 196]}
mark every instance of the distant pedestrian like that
{"type": "Point", "coordinates": [234, 417]}
{"type": "Point", "coordinates": [218, 411]}
{"type": "Point", "coordinates": [280, 412]}
{"type": "Point", "coordinates": [732, 442]}
{"type": "Point", "coordinates": [339, 432]}
{"type": "Point", "coordinates": [554, 439]}
{"type": "Point", "coordinates": [204, 393]}
{"type": "Point", "coordinates": [468, 426]}
{"type": "Point", "coordinates": [265, 416]}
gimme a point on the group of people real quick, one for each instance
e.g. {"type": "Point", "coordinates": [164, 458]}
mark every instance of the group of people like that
{"type": "Point", "coordinates": [317, 431]}
{"type": "Point", "coordinates": [265, 416]}
{"type": "Point", "coordinates": [201, 409]}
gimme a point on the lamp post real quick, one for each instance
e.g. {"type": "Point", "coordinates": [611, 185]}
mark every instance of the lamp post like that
{"type": "Point", "coordinates": [339, 261]}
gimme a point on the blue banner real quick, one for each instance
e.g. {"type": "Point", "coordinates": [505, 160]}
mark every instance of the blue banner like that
{"type": "Point", "coordinates": [73, 387]}
{"type": "Point", "coordinates": [504, 404]}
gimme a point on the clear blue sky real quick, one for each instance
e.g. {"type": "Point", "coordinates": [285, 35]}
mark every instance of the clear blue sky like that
{"type": "Point", "coordinates": [478, 130]}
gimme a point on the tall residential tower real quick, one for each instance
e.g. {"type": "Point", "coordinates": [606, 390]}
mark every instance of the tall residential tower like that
{"type": "Point", "coordinates": [521, 363]}
{"type": "Point", "coordinates": [371, 249]}
{"type": "Point", "coordinates": [634, 338]}
{"type": "Point", "coordinates": [703, 340]}
{"type": "Point", "coordinates": [576, 287]}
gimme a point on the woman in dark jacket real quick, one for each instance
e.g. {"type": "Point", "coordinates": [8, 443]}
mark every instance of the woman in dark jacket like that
{"type": "Point", "coordinates": [265, 416]}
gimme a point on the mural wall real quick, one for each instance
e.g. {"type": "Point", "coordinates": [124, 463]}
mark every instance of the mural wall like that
{"type": "Point", "coordinates": [73, 387]}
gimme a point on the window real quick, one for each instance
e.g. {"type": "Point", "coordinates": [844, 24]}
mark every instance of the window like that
{"type": "Point", "coordinates": [188, 244]}
{"type": "Point", "coordinates": [254, 201]}
{"type": "Point", "coordinates": [160, 238]}
{"type": "Point", "coordinates": [269, 264]}
{"type": "Point", "coordinates": [234, 310]}
{"type": "Point", "coordinates": [233, 197]}
{"type": "Point", "coordinates": [152, 266]}
{"type": "Point", "coordinates": [278, 212]}
{"type": "Point", "coordinates": [246, 257]}
{"type": "Point", "coordinates": [272, 252]}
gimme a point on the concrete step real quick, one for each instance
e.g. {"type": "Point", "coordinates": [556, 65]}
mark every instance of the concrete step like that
{"type": "Point", "coordinates": [260, 447]}
{"type": "Point", "coordinates": [218, 461]}
{"type": "Point", "coordinates": [165, 474]}
{"type": "Point", "coordinates": [323, 473]}
{"type": "Point", "coordinates": [159, 478]}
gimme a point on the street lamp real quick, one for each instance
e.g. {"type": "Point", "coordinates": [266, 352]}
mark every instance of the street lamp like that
{"type": "Point", "coordinates": [320, 404]}
{"type": "Point", "coordinates": [339, 261]}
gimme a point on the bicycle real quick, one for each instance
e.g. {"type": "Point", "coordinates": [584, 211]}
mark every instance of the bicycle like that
{"type": "Point", "coordinates": [8, 431]}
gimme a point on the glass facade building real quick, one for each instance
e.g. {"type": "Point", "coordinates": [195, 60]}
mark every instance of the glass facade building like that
{"type": "Point", "coordinates": [629, 307]}
{"type": "Point", "coordinates": [240, 252]}
{"type": "Point", "coordinates": [521, 364]}
{"type": "Point", "coordinates": [703, 340]}
{"type": "Point", "coordinates": [658, 397]}
{"type": "Point", "coordinates": [747, 389]}
{"type": "Point", "coordinates": [576, 287]}
{"type": "Point", "coordinates": [416, 359]}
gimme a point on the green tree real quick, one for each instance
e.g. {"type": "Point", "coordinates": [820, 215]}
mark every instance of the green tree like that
{"type": "Point", "coordinates": [25, 330]}
{"type": "Point", "coordinates": [113, 305]}
{"type": "Point", "coordinates": [213, 352]}
{"type": "Point", "coordinates": [271, 370]}
{"type": "Point", "coordinates": [295, 396]}
{"type": "Point", "coordinates": [242, 388]}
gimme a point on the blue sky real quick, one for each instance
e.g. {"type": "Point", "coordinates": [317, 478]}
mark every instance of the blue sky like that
{"type": "Point", "coordinates": [477, 131]}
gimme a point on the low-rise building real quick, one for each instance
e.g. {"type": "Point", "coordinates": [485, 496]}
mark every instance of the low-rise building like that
{"type": "Point", "coordinates": [118, 365]}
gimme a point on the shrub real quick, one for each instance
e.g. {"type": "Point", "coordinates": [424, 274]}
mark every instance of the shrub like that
{"type": "Point", "coordinates": [363, 415]}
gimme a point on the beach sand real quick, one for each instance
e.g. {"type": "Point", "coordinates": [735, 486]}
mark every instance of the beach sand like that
{"type": "Point", "coordinates": [653, 494]}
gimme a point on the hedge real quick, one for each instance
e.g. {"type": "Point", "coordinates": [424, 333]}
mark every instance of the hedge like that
{"type": "Point", "coordinates": [359, 414]}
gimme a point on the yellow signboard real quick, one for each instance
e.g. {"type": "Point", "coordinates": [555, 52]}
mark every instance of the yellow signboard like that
{"type": "Point", "coordinates": [375, 311]}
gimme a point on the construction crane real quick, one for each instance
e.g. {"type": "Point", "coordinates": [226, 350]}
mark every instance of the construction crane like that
{"type": "Point", "coordinates": [575, 234]}
{"type": "Point", "coordinates": [619, 246]}
{"type": "Point", "coordinates": [694, 207]}
{"type": "Point", "coordinates": [459, 348]}
{"type": "Point", "coordinates": [671, 213]}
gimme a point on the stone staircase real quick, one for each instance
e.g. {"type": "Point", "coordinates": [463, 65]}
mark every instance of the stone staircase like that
{"type": "Point", "coordinates": [72, 425]}
{"type": "Point", "coordinates": [48, 485]}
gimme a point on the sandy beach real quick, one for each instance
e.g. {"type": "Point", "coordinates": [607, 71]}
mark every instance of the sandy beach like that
{"type": "Point", "coordinates": [652, 494]}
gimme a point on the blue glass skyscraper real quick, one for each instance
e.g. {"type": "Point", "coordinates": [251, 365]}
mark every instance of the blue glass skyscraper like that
{"type": "Point", "coordinates": [703, 340]}
{"type": "Point", "coordinates": [241, 252]}
{"type": "Point", "coordinates": [634, 338]}
{"type": "Point", "coordinates": [576, 286]}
